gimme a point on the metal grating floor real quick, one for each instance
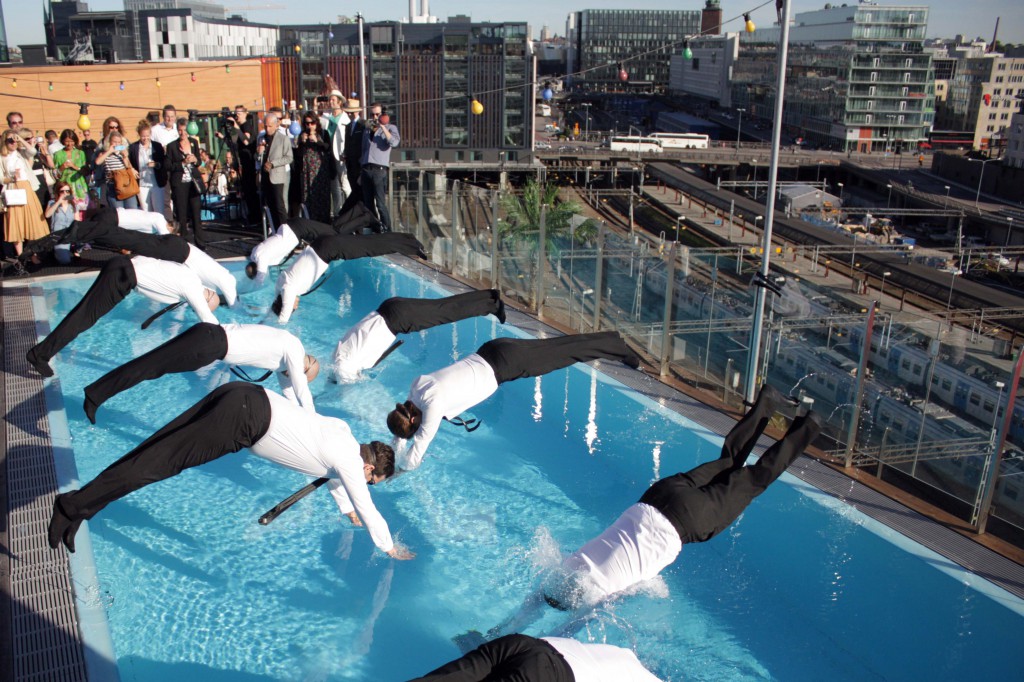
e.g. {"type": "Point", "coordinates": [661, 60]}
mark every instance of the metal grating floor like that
{"type": "Point", "coordinates": [44, 623]}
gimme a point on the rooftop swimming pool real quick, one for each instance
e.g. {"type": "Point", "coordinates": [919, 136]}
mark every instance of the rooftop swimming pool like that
{"type": "Point", "coordinates": [800, 588]}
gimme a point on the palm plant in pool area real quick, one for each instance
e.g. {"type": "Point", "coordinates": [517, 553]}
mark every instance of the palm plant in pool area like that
{"type": "Point", "coordinates": [520, 229]}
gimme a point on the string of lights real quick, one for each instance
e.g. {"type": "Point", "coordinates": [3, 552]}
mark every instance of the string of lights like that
{"type": "Point", "coordinates": [476, 107]}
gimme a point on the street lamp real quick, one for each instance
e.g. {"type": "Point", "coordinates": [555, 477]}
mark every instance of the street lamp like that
{"type": "Point", "coordinates": [679, 218]}
{"type": "Point", "coordinates": [881, 292]}
{"type": "Point", "coordinates": [949, 300]}
{"type": "Point", "coordinates": [754, 161]}
{"type": "Point", "coordinates": [586, 133]}
{"type": "Point", "coordinates": [739, 127]}
{"type": "Point", "coordinates": [756, 218]}
{"type": "Point", "coordinates": [981, 176]}
{"type": "Point", "coordinates": [947, 195]}
{"type": "Point", "coordinates": [888, 204]}
{"type": "Point", "coordinates": [1009, 230]}
{"type": "Point", "coordinates": [840, 193]}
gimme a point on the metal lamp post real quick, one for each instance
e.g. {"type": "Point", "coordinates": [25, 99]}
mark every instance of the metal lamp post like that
{"type": "Point", "coordinates": [1009, 230]}
{"type": "Point", "coordinates": [881, 291]}
{"type": "Point", "coordinates": [947, 195]}
{"type": "Point", "coordinates": [756, 218]}
{"type": "Point", "coordinates": [981, 176]}
{"type": "Point", "coordinates": [739, 127]}
{"type": "Point", "coordinates": [888, 203]}
{"type": "Point", "coordinates": [995, 414]}
{"type": "Point", "coordinates": [586, 132]}
{"type": "Point", "coordinates": [840, 193]}
{"type": "Point", "coordinates": [678, 219]}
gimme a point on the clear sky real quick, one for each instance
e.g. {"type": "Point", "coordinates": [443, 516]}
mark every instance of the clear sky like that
{"type": "Point", "coordinates": [947, 18]}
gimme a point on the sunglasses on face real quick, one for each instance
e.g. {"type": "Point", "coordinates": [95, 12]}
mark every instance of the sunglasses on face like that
{"type": "Point", "coordinates": [16, 123]}
{"type": "Point", "coordinates": [10, 140]}
{"type": "Point", "coordinates": [311, 123]}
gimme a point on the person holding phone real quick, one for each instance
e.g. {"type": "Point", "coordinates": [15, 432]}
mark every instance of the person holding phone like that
{"type": "Point", "coordinates": [24, 220]}
{"type": "Point", "coordinates": [182, 160]}
{"type": "Point", "coordinates": [61, 213]}
{"type": "Point", "coordinates": [114, 157]}
{"type": "Point", "coordinates": [71, 164]}
{"type": "Point", "coordinates": [147, 156]}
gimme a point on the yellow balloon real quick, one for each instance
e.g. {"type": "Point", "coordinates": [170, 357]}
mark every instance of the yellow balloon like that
{"type": "Point", "coordinates": [477, 108]}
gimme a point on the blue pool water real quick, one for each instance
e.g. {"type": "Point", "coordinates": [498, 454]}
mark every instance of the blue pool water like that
{"type": "Point", "coordinates": [796, 589]}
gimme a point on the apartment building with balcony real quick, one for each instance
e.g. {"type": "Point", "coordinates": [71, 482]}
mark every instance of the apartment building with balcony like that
{"type": "Point", "coordinates": [858, 77]}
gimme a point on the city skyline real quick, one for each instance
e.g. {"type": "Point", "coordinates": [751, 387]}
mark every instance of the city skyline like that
{"type": "Point", "coordinates": [946, 18]}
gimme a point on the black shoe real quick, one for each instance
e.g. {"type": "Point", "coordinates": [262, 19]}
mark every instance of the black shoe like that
{"type": "Point", "coordinates": [90, 407]}
{"type": "Point", "coordinates": [38, 363]}
{"type": "Point", "coordinates": [632, 360]}
{"type": "Point", "coordinates": [60, 524]}
{"type": "Point", "coordinates": [500, 312]}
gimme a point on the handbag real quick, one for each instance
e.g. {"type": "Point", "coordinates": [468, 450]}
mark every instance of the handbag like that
{"type": "Point", "coordinates": [125, 184]}
{"type": "Point", "coordinates": [15, 196]}
{"type": "Point", "coordinates": [197, 179]}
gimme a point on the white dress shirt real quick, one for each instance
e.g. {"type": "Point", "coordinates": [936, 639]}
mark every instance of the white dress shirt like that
{"type": "Point", "coordinates": [447, 393]}
{"type": "Point", "coordinates": [600, 662]}
{"type": "Point", "coordinates": [163, 135]}
{"type": "Point", "coordinates": [298, 279]}
{"type": "Point", "coordinates": [323, 447]}
{"type": "Point", "coordinates": [257, 345]}
{"type": "Point", "coordinates": [137, 220]}
{"type": "Point", "coordinates": [272, 251]}
{"type": "Point", "coordinates": [213, 275]}
{"type": "Point", "coordinates": [635, 548]}
{"type": "Point", "coordinates": [168, 282]}
{"type": "Point", "coordinates": [361, 347]}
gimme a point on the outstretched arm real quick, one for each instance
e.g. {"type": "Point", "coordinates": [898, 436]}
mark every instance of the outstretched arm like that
{"type": "Point", "coordinates": [529, 612]}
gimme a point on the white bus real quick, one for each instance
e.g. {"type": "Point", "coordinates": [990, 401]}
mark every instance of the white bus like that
{"type": "Point", "coordinates": [635, 144]}
{"type": "Point", "coordinates": [544, 110]}
{"type": "Point", "coordinates": [682, 140]}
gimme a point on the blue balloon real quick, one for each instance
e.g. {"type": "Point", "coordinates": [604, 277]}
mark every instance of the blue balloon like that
{"type": "Point", "coordinates": [295, 128]}
{"type": "Point", "coordinates": [547, 94]}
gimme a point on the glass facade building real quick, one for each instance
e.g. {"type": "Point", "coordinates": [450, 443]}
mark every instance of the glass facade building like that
{"type": "Point", "coordinates": [427, 76]}
{"type": "Point", "coordinates": [5, 55]}
{"type": "Point", "coordinates": [858, 77]}
{"type": "Point", "coordinates": [602, 39]}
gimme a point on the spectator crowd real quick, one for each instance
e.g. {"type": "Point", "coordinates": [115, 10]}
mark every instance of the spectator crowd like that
{"type": "Point", "coordinates": [315, 164]}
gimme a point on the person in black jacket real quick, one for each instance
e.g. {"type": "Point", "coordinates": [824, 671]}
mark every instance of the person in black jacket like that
{"type": "Point", "coordinates": [354, 146]}
{"type": "Point", "coordinates": [182, 160]}
{"type": "Point", "coordinates": [314, 170]}
{"type": "Point", "coordinates": [148, 158]}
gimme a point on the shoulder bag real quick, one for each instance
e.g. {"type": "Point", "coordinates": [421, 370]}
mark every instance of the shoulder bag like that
{"type": "Point", "coordinates": [125, 184]}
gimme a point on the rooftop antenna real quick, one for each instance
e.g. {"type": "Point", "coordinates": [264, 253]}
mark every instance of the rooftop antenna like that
{"type": "Point", "coordinates": [995, 34]}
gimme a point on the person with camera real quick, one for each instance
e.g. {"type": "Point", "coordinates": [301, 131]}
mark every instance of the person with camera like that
{"type": "Point", "coordinates": [380, 138]}
{"type": "Point", "coordinates": [241, 133]}
{"type": "Point", "coordinates": [61, 214]}
{"type": "Point", "coordinates": [114, 158]}
{"type": "Point", "coordinates": [148, 158]}
{"type": "Point", "coordinates": [42, 163]}
{"type": "Point", "coordinates": [182, 157]}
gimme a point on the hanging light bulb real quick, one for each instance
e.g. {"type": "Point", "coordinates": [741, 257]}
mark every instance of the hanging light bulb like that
{"type": "Point", "coordinates": [298, 49]}
{"type": "Point", "coordinates": [121, 86]}
{"type": "Point", "coordinates": [476, 107]}
{"type": "Point", "coordinates": [192, 128]}
{"type": "Point", "coordinates": [50, 87]}
{"type": "Point", "coordinates": [227, 68]}
{"type": "Point", "coordinates": [749, 22]}
{"type": "Point", "coordinates": [87, 88]}
{"type": "Point", "coordinates": [330, 34]}
{"type": "Point", "coordinates": [158, 82]}
{"type": "Point", "coordinates": [193, 77]}
{"type": "Point", "coordinates": [687, 52]}
{"type": "Point", "coordinates": [623, 75]}
{"type": "Point", "coordinates": [14, 83]}
{"type": "Point", "coordinates": [547, 93]}
{"type": "Point", "coordinates": [83, 116]}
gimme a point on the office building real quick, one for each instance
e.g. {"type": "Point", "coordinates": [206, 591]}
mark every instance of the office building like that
{"type": "Point", "coordinates": [5, 55]}
{"type": "Point", "coordinates": [708, 73]}
{"type": "Point", "coordinates": [426, 75]}
{"type": "Point", "coordinates": [858, 77]}
{"type": "Point", "coordinates": [982, 97]}
{"type": "Point", "coordinates": [601, 40]}
{"type": "Point", "coordinates": [183, 35]}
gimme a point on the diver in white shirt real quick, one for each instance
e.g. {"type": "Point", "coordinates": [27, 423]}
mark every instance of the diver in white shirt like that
{"type": "Point", "coordinates": [235, 416]}
{"type": "Point", "coordinates": [158, 280]}
{"type": "Point", "coordinates": [246, 345]}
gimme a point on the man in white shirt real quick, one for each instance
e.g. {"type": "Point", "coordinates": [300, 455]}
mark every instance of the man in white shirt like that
{"type": "Point", "coordinates": [373, 337]}
{"type": "Point", "coordinates": [246, 345]}
{"type": "Point", "coordinates": [165, 133]}
{"type": "Point", "coordinates": [545, 659]}
{"type": "Point", "coordinates": [161, 281]}
{"type": "Point", "coordinates": [310, 265]}
{"type": "Point", "coordinates": [138, 220]}
{"type": "Point", "coordinates": [235, 416]}
{"type": "Point", "coordinates": [447, 393]}
{"type": "Point", "coordinates": [684, 508]}
{"type": "Point", "coordinates": [275, 248]}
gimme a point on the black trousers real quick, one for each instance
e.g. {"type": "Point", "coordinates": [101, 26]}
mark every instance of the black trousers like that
{"type": "Point", "coordinates": [352, 246]}
{"type": "Point", "coordinates": [408, 315]}
{"type": "Point", "coordinates": [197, 347]}
{"type": "Point", "coordinates": [232, 417]}
{"type": "Point", "coordinates": [374, 183]}
{"type": "Point", "coordinates": [273, 198]}
{"type": "Point", "coordinates": [522, 358]}
{"type": "Point", "coordinates": [707, 499]}
{"type": "Point", "coordinates": [188, 210]}
{"type": "Point", "coordinates": [515, 658]}
{"type": "Point", "coordinates": [115, 281]}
